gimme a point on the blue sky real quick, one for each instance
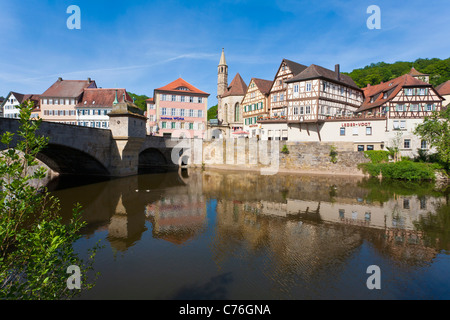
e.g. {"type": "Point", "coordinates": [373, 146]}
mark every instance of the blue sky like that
{"type": "Point", "coordinates": [142, 45]}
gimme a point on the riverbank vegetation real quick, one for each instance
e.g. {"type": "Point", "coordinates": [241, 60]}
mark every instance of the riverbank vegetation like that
{"type": "Point", "coordinates": [36, 248]}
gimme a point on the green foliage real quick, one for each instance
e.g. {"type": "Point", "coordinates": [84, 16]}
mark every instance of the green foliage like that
{"type": "Point", "coordinates": [285, 150]}
{"type": "Point", "coordinates": [35, 246]}
{"type": "Point", "coordinates": [436, 131]}
{"type": "Point", "coordinates": [212, 112]}
{"type": "Point", "coordinates": [333, 154]}
{"type": "Point", "coordinates": [405, 170]}
{"type": "Point", "coordinates": [377, 156]}
{"type": "Point", "coordinates": [139, 100]}
{"type": "Point", "coordinates": [439, 71]}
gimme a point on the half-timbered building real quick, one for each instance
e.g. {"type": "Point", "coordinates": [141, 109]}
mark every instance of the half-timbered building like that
{"type": "Point", "coordinates": [278, 92]}
{"type": "Point", "coordinates": [256, 104]}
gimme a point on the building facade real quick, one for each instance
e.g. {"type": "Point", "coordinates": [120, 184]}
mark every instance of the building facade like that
{"type": "Point", "coordinates": [278, 91]}
{"type": "Point", "coordinates": [10, 106]}
{"type": "Point", "coordinates": [256, 105]}
{"type": "Point", "coordinates": [96, 104]}
{"type": "Point", "coordinates": [179, 110]}
{"type": "Point", "coordinates": [58, 103]}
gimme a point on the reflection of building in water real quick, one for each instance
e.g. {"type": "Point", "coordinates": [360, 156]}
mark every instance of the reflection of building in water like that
{"type": "Point", "coordinates": [177, 217]}
{"type": "Point", "coordinates": [321, 218]}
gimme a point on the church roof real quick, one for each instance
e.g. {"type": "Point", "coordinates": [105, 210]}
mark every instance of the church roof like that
{"type": "Point", "coordinates": [295, 67]}
{"type": "Point", "coordinates": [181, 86]}
{"type": "Point", "coordinates": [237, 87]}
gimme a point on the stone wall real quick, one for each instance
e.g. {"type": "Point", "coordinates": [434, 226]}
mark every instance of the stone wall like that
{"type": "Point", "coordinates": [302, 156]}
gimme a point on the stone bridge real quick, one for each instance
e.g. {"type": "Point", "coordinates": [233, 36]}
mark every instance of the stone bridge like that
{"type": "Point", "coordinates": [125, 150]}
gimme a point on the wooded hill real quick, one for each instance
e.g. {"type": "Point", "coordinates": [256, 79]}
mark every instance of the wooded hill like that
{"type": "Point", "coordinates": [439, 71]}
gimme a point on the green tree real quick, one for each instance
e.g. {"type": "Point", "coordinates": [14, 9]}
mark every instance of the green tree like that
{"type": "Point", "coordinates": [212, 112]}
{"type": "Point", "coordinates": [139, 100]}
{"type": "Point", "coordinates": [435, 129]}
{"type": "Point", "coordinates": [36, 248]}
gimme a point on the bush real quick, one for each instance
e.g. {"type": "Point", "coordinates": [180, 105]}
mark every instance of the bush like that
{"type": "Point", "coordinates": [333, 154]}
{"type": "Point", "coordinates": [405, 170]}
{"type": "Point", "coordinates": [285, 150]}
{"type": "Point", "coordinates": [377, 156]}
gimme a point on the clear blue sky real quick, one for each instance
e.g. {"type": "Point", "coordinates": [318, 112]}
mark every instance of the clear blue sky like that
{"type": "Point", "coordinates": [142, 45]}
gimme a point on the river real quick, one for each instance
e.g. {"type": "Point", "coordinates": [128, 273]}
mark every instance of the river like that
{"type": "Point", "coordinates": [240, 235]}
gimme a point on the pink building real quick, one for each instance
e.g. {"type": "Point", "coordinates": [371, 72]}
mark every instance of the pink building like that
{"type": "Point", "coordinates": [178, 109]}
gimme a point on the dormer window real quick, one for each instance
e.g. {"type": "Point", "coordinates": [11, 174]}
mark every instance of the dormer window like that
{"type": "Point", "coordinates": [182, 89]}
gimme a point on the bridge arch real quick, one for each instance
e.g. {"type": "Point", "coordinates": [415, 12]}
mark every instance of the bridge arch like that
{"type": "Point", "coordinates": [152, 160]}
{"type": "Point", "coordinates": [70, 161]}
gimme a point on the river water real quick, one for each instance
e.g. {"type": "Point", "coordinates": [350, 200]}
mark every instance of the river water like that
{"type": "Point", "coordinates": [240, 235]}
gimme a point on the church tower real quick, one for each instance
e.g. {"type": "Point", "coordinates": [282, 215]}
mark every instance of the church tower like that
{"type": "Point", "coordinates": [222, 84]}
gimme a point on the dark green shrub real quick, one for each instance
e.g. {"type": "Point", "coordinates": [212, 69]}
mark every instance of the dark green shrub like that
{"type": "Point", "coordinates": [405, 170]}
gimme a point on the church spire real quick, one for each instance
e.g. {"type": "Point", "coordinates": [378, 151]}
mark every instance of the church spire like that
{"type": "Point", "coordinates": [222, 62]}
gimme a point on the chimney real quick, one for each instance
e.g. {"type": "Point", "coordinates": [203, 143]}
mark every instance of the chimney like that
{"type": "Point", "coordinates": [89, 80]}
{"type": "Point", "coordinates": [337, 70]}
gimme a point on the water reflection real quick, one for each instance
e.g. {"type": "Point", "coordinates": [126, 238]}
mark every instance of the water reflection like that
{"type": "Point", "coordinates": [278, 236]}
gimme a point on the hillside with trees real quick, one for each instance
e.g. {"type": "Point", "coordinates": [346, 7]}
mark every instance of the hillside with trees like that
{"type": "Point", "coordinates": [139, 100]}
{"type": "Point", "coordinates": [439, 71]}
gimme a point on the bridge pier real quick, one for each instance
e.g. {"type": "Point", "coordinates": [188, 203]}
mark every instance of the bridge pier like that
{"type": "Point", "coordinates": [128, 128]}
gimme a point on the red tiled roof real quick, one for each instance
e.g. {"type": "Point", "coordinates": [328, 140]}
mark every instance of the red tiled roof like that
{"type": "Point", "coordinates": [444, 88]}
{"type": "Point", "coordinates": [176, 86]}
{"type": "Point", "coordinates": [102, 97]}
{"type": "Point", "coordinates": [21, 98]}
{"type": "Point", "coordinates": [151, 100]}
{"type": "Point", "coordinates": [68, 88]}
{"type": "Point", "coordinates": [414, 72]}
{"type": "Point", "coordinates": [237, 87]}
{"type": "Point", "coordinates": [391, 88]}
{"type": "Point", "coordinates": [263, 85]}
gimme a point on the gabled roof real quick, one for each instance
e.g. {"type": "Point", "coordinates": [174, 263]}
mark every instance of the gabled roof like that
{"type": "Point", "coordinates": [295, 67]}
{"type": "Point", "coordinates": [21, 98]}
{"type": "Point", "coordinates": [237, 87]}
{"type": "Point", "coordinates": [391, 88]}
{"type": "Point", "coordinates": [318, 72]}
{"type": "Point", "coordinates": [100, 97]}
{"type": "Point", "coordinates": [68, 88]}
{"type": "Point", "coordinates": [444, 88]}
{"type": "Point", "coordinates": [180, 86]}
{"type": "Point", "coordinates": [263, 85]}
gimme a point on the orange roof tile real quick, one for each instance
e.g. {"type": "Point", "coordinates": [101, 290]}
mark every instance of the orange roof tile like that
{"type": "Point", "coordinates": [180, 85]}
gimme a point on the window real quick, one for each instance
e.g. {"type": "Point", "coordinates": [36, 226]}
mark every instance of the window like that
{"type": "Point", "coordinates": [308, 109]}
{"type": "Point", "coordinates": [429, 107]}
{"type": "Point", "coordinates": [302, 110]}
{"type": "Point", "coordinates": [295, 110]}
{"type": "Point", "coordinates": [368, 131]}
{"type": "Point", "coordinates": [409, 91]}
{"type": "Point", "coordinates": [274, 98]}
{"type": "Point", "coordinates": [200, 99]}
{"type": "Point", "coordinates": [174, 98]}
{"type": "Point", "coordinates": [282, 97]}
{"type": "Point", "coordinates": [191, 113]}
{"type": "Point", "coordinates": [164, 125]}
{"type": "Point", "coordinates": [342, 91]}
{"type": "Point", "coordinates": [164, 112]}
{"type": "Point", "coordinates": [183, 98]}
{"type": "Point", "coordinates": [422, 91]}
{"type": "Point", "coordinates": [399, 108]}
{"type": "Point", "coordinates": [360, 147]}
{"type": "Point", "coordinates": [423, 144]}
{"type": "Point", "coordinates": [396, 125]}
{"type": "Point", "coordinates": [182, 112]}
{"type": "Point", "coordinates": [191, 126]}
{"type": "Point", "coordinates": [295, 88]}
{"type": "Point", "coordinates": [163, 97]}
{"type": "Point", "coordinates": [174, 125]}
{"type": "Point", "coordinates": [200, 114]}
{"type": "Point", "coordinates": [191, 99]}
{"type": "Point", "coordinates": [414, 107]}
{"type": "Point", "coordinates": [370, 147]}
{"type": "Point", "coordinates": [174, 112]}
{"type": "Point", "coordinates": [308, 86]}
{"type": "Point", "coordinates": [403, 124]}
{"type": "Point", "coordinates": [342, 130]}
{"type": "Point", "coordinates": [324, 86]}
{"type": "Point", "coordinates": [407, 144]}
